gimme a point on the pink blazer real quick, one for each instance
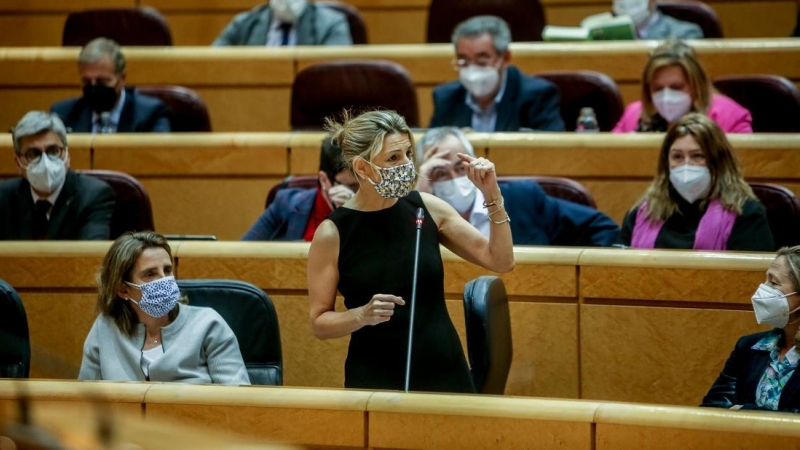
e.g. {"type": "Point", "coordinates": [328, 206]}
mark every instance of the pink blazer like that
{"type": "Point", "coordinates": [729, 115]}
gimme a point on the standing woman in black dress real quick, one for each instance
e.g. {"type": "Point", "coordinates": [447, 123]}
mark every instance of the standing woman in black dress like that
{"type": "Point", "coordinates": [365, 251]}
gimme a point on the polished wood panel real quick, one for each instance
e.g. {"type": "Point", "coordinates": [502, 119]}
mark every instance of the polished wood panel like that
{"type": "Point", "coordinates": [631, 426]}
{"type": "Point", "coordinates": [283, 415]}
{"type": "Point", "coordinates": [45, 265]}
{"type": "Point", "coordinates": [425, 421]}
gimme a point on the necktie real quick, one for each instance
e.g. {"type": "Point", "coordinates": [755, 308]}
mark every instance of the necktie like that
{"type": "Point", "coordinates": [40, 221]}
{"type": "Point", "coordinates": [285, 29]}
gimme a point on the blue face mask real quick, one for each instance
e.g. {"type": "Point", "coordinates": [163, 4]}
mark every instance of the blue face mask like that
{"type": "Point", "coordinates": [159, 297]}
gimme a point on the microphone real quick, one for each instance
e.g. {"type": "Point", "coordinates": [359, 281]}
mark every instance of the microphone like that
{"type": "Point", "coordinates": [418, 221]}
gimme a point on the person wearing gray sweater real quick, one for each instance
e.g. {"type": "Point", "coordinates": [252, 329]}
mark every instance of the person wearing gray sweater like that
{"type": "Point", "coordinates": [144, 333]}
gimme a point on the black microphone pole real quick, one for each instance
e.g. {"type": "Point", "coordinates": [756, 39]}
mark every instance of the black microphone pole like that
{"type": "Point", "coordinates": [420, 218]}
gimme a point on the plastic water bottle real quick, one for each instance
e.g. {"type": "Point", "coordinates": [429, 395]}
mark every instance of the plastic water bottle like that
{"type": "Point", "coordinates": [587, 122]}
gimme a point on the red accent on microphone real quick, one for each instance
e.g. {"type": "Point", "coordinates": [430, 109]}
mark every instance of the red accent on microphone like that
{"type": "Point", "coordinates": [420, 217]}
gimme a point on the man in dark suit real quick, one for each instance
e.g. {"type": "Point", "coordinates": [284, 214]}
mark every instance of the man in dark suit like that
{"type": "Point", "coordinates": [296, 213]}
{"type": "Point", "coordinates": [107, 106]}
{"type": "Point", "coordinates": [287, 23]}
{"type": "Point", "coordinates": [536, 218]}
{"type": "Point", "coordinates": [51, 201]}
{"type": "Point", "coordinates": [492, 95]}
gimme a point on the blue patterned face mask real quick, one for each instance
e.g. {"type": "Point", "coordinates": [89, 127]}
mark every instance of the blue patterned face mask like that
{"type": "Point", "coordinates": [159, 297]}
{"type": "Point", "coordinates": [395, 181]}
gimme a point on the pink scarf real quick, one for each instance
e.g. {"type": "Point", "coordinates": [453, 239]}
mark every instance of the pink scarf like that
{"type": "Point", "coordinates": [712, 233]}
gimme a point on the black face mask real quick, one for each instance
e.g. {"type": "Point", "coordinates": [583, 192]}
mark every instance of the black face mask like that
{"type": "Point", "coordinates": [101, 98]}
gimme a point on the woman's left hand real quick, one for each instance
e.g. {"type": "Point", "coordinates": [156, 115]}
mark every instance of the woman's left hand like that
{"type": "Point", "coordinates": [482, 173]}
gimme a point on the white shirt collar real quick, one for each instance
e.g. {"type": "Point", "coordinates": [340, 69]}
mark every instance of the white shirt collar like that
{"type": "Point", "coordinates": [50, 198]}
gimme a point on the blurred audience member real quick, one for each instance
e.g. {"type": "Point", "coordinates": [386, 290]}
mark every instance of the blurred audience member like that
{"type": "Point", "coordinates": [287, 23]}
{"type": "Point", "coordinates": [296, 213]}
{"type": "Point", "coordinates": [761, 372]}
{"type": "Point", "coordinates": [492, 95]}
{"type": "Point", "coordinates": [673, 84]}
{"type": "Point", "coordinates": [650, 23]}
{"type": "Point", "coordinates": [51, 201]}
{"type": "Point", "coordinates": [536, 218]}
{"type": "Point", "coordinates": [107, 106]}
{"type": "Point", "coordinates": [144, 333]}
{"type": "Point", "coordinates": [698, 199]}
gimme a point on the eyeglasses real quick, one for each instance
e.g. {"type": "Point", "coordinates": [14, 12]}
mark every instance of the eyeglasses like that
{"type": "Point", "coordinates": [480, 61]}
{"type": "Point", "coordinates": [33, 155]}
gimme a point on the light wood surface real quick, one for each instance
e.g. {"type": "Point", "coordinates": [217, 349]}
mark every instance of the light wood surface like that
{"type": "Point", "coordinates": [387, 21]}
{"type": "Point", "coordinates": [249, 88]}
{"type": "Point", "coordinates": [380, 419]}
{"type": "Point", "coordinates": [580, 318]}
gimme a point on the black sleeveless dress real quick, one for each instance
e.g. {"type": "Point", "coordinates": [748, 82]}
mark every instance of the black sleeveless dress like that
{"type": "Point", "coordinates": [376, 256]}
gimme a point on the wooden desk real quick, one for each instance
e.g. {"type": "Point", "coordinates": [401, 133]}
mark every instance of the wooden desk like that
{"type": "Point", "coordinates": [39, 23]}
{"type": "Point", "coordinates": [249, 89]}
{"type": "Point", "coordinates": [381, 419]}
{"type": "Point", "coordinates": [580, 317]}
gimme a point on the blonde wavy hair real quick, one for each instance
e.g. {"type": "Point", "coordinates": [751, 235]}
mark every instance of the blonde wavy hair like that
{"type": "Point", "coordinates": [792, 255]}
{"type": "Point", "coordinates": [362, 136]}
{"type": "Point", "coordinates": [727, 182]}
{"type": "Point", "coordinates": [676, 53]}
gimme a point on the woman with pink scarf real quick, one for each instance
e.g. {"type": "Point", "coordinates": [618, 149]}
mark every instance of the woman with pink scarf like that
{"type": "Point", "coordinates": [698, 199]}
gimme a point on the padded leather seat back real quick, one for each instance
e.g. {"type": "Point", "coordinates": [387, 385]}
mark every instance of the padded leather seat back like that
{"type": "Point", "coordinates": [127, 26]}
{"type": "Point", "coordinates": [358, 28]}
{"type": "Point", "coordinates": [488, 324]}
{"type": "Point", "coordinates": [562, 188]}
{"type": "Point", "coordinates": [695, 12]}
{"type": "Point", "coordinates": [783, 212]}
{"type": "Point", "coordinates": [132, 209]}
{"type": "Point", "coordinates": [325, 89]}
{"type": "Point", "coordinates": [525, 18]}
{"type": "Point", "coordinates": [773, 101]}
{"type": "Point", "coordinates": [252, 317]}
{"type": "Point", "coordinates": [187, 111]}
{"type": "Point", "coordinates": [586, 88]}
{"type": "Point", "coordinates": [15, 344]}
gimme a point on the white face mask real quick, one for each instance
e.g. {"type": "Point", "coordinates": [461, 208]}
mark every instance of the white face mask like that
{"type": "Point", "coordinates": [287, 11]}
{"type": "Point", "coordinates": [637, 10]}
{"type": "Point", "coordinates": [47, 175]}
{"type": "Point", "coordinates": [691, 182]}
{"type": "Point", "coordinates": [771, 306]}
{"type": "Point", "coordinates": [459, 193]}
{"type": "Point", "coordinates": [479, 81]}
{"type": "Point", "coordinates": [671, 104]}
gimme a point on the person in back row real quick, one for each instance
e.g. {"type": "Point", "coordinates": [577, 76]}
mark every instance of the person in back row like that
{"type": "Point", "coordinates": [287, 23]}
{"type": "Point", "coordinates": [492, 95]}
{"type": "Point", "coordinates": [107, 106]}
{"type": "Point", "coordinates": [51, 201]}
{"type": "Point", "coordinates": [673, 84]}
{"type": "Point", "coordinates": [296, 213]}
{"type": "Point", "coordinates": [650, 23]}
{"type": "Point", "coordinates": [698, 199]}
{"type": "Point", "coordinates": [536, 218]}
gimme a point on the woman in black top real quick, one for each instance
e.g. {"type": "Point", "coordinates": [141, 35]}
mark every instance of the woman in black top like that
{"type": "Point", "coordinates": [365, 250]}
{"type": "Point", "coordinates": [698, 199]}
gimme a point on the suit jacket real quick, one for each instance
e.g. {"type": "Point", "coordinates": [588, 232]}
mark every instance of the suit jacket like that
{"type": "Point", "coordinates": [538, 219]}
{"type": "Point", "coordinates": [82, 210]}
{"type": "Point", "coordinates": [666, 27]}
{"type": "Point", "coordinates": [528, 102]}
{"type": "Point", "coordinates": [318, 25]}
{"type": "Point", "coordinates": [729, 115]}
{"type": "Point", "coordinates": [140, 113]}
{"type": "Point", "coordinates": [286, 218]}
{"type": "Point", "coordinates": [737, 383]}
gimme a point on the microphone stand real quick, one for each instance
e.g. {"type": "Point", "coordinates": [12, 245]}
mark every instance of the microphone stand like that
{"type": "Point", "coordinates": [419, 220]}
